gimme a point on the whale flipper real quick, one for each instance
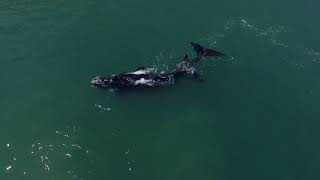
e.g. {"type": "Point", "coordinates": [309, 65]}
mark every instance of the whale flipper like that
{"type": "Point", "coordinates": [203, 52]}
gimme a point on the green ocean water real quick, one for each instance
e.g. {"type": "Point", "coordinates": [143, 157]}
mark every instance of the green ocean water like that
{"type": "Point", "coordinates": [255, 115]}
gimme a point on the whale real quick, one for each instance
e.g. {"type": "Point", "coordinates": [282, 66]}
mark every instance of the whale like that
{"type": "Point", "coordinates": [144, 77]}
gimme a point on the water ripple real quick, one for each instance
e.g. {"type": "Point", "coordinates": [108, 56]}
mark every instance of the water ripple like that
{"type": "Point", "coordinates": [51, 158]}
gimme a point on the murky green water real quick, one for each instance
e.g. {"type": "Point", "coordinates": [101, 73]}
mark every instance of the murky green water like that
{"type": "Point", "coordinates": [255, 116]}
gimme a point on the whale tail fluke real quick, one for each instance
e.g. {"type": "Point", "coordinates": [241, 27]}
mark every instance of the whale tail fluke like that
{"type": "Point", "coordinates": [204, 52]}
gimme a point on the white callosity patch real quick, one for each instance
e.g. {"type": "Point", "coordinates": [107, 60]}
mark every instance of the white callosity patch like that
{"type": "Point", "coordinates": [139, 72]}
{"type": "Point", "coordinates": [142, 71]}
{"type": "Point", "coordinates": [144, 81]}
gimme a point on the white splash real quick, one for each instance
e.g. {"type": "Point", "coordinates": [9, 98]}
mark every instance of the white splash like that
{"type": "Point", "coordinates": [69, 155]}
{"type": "Point", "coordinates": [8, 167]}
{"type": "Point", "coordinates": [101, 108]}
{"type": "Point", "coordinates": [46, 167]}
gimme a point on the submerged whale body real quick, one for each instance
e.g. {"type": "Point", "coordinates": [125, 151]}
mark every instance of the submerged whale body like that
{"type": "Point", "coordinates": [148, 77]}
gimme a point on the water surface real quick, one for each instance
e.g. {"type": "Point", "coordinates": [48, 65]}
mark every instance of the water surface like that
{"type": "Point", "coordinates": [255, 116]}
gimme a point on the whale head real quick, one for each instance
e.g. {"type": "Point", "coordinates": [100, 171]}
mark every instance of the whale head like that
{"type": "Point", "coordinates": [101, 81]}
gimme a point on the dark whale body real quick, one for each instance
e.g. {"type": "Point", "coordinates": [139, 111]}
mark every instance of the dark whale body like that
{"type": "Point", "coordinates": [145, 77]}
{"type": "Point", "coordinates": [148, 77]}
